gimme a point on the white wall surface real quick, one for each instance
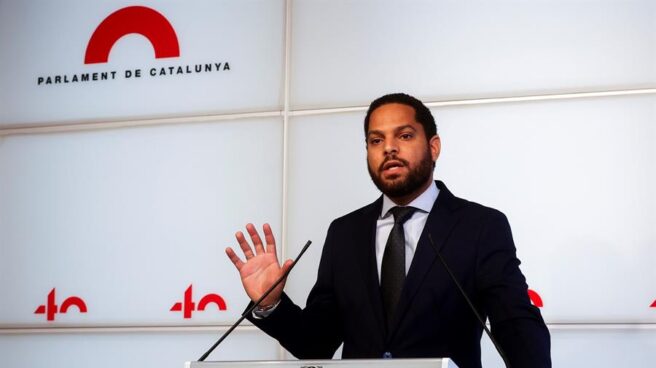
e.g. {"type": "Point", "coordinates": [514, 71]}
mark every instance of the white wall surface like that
{"type": "Point", "coordinates": [450, 49]}
{"type": "Point", "coordinates": [134, 349]}
{"type": "Point", "coordinates": [126, 193]}
{"type": "Point", "coordinates": [128, 219]}
{"type": "Point", "coordinates": [607, 346]}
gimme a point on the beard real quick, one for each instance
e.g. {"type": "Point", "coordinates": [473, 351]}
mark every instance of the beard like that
{"type": "Point", "coordinates": [416, 178]}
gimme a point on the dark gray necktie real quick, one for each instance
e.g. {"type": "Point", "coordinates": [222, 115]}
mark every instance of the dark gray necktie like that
{"type": "Point", "coordinates": [392, 271]}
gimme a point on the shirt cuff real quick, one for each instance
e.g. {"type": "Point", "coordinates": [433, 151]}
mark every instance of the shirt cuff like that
{"type": "Point", "coordinates": [261, 314]}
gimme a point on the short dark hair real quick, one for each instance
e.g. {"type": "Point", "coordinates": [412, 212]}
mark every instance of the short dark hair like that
{"type": "Point", "coordinates": [422, 114]}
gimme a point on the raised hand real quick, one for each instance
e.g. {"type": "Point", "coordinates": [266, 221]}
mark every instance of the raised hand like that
{"type": "Point", "coordinates": [261, 269]}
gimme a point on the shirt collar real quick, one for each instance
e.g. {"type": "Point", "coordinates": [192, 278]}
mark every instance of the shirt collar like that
{"type": "Point", "coordinates": [424, 202]}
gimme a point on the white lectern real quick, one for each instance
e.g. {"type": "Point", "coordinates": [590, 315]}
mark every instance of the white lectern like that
{"type": "Point", "coordinates": [343, 363]}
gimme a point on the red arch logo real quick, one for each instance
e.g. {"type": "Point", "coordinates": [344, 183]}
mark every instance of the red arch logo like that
{"type": "Point", "coordinates": [132, 19]}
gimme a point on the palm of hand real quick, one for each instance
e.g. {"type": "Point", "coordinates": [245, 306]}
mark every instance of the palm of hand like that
{"type": "Point", "coordinates": [261, 269]}
{"type": "Point", "coordinates": [259, 273]}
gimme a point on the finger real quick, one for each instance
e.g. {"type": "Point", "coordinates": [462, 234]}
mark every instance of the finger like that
{"type": "Point", "coordinates": [287, 265]}
{"type": "Point", "coordinates": [270, 240]}
{"type": "Point", "coordinates": [234, 258]}
{"type": "Point", "coordinates": [255, 238]}
{"type": "Point", "coordinates": [243, 244]}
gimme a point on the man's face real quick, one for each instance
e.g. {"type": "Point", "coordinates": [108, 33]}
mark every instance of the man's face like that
{"type": "Point", "coordinates": [399, 158]}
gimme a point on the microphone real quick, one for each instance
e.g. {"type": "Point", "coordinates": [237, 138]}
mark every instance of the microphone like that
{"type": "Point", "coordinates": [250, 310]}
{"type": "Point", "coordinates": [471, 305]}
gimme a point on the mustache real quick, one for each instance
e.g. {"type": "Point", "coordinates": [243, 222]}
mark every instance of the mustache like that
{"type": "Point", "coordinates": [392, 158]}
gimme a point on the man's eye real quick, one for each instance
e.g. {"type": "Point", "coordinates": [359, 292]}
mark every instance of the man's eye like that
{"type": "Point", "coordinates": [406, 136]}
{"type": "Point", "coordinates": [375, 141]}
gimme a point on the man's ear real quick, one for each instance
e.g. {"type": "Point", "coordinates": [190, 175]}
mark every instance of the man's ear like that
{"type": "Point", "coordinates": [435, 146]}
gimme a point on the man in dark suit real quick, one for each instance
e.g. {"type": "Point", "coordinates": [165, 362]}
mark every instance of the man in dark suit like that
{"type": "Point", "coordinates": [381, 289]}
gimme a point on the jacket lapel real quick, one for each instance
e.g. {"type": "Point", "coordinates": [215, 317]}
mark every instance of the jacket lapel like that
{"type": "Point", "coordinates": [439, 224]}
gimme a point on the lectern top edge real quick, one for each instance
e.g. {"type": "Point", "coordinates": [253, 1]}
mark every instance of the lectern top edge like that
{"type": "Point", "coordinates": [335, 363]}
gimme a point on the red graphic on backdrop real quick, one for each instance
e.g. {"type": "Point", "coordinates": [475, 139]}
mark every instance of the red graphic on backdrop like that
{"type": "Point", "coordinates": [50, 309]}
{"type": "Point", "coordinates": [653, 305]}
{"type": "Point", "coordinates": [132, 19]}
{"type": "Point", "coordinates": [188, 306]}
{"type": "Point", "coordinates": [535, 298]}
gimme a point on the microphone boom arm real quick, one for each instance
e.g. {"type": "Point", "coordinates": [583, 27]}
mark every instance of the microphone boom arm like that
{"type": "Point", "coordinates": [250, 310]}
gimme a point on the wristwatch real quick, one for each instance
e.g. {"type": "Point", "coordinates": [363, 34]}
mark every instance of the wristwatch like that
{"type": "Point", "coordinates": [264, 311]}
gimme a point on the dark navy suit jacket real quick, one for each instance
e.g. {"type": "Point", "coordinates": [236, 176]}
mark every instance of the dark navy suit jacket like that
{"type": "Point", "coordinates": [432, 319]}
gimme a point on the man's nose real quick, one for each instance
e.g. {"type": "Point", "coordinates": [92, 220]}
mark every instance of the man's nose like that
{"type": "Point", "coordinates": [391, 146]}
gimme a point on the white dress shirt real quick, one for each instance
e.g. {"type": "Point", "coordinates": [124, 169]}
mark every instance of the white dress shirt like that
{"type": "Point", "coordinates": [412, 227]}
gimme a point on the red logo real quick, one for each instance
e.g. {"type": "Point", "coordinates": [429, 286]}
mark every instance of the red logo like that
{"type": "Point", "coordinates": [51, 308]}
{"type": "Point", "coordinates": [188, 305]}
{"type": "Point", "coordinates": [535, 298]}
{"type": "Point", "coordinates": [132, 19]}
{"type": "Point", "coordinates": [653, 305]}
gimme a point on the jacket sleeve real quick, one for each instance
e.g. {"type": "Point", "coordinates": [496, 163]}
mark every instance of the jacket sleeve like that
{"type": "Point", "coordinates": [313, 332]}
{"type": "Point", "coordinates": [516, 324]}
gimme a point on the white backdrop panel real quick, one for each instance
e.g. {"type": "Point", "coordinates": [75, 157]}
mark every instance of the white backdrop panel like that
{"type": "Point", "coordinates": [346, 52]}
{"type": "Point", "coordinates": [575, 178]}
{"type": "Point", "coordinates": [327, 179]}
{"type": "Point", "coordinates": [128, 219]}
{"type": "Point", "coordinates": [133, 349]}
{"type": "Point", "coordinates": [41, 39]}
{"type": "Point", "coordinates": [592, 347]}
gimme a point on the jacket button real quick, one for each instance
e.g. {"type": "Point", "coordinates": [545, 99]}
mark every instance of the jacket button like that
{"type": "Point", "coordinates": [387, 355]}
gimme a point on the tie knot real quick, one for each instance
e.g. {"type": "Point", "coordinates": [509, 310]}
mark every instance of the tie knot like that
{"type": "Point", "coordinates": [402, 214]}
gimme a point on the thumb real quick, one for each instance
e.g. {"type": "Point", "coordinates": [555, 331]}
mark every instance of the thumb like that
{"type": "Point", "coordinates": [287, 265]}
